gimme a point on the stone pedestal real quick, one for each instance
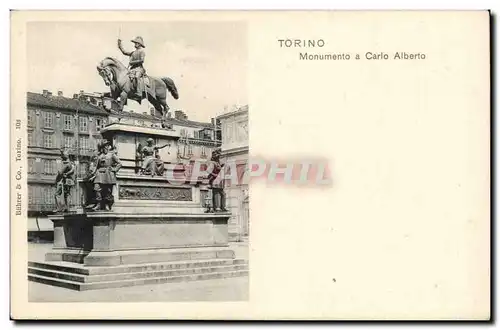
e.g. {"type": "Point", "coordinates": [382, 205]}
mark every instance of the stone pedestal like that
{"type": "Point", "coordinates": [114, 239]}
{"type": "Point", "coordinates": [156, 232]}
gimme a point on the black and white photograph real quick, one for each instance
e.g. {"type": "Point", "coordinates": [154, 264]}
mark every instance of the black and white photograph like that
{"type": "Point", "coordinates": [130, 127]}
{"type": "Point", "coordinates": [312, 165]}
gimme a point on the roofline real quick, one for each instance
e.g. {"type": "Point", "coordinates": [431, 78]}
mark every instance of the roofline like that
{"type": "Point", "coordinates": [177, 122]}
{"type": "Point", "coordinates": [103, 113]}
{"type": "Point", "coordinates": [229, 114]}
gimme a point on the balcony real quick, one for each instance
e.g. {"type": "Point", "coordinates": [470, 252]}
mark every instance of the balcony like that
{"type": "Point", "coordinates": [41, 207]}
{"type": "Point", "coordinates": [205, 142]}
{"type": "Point", "coordinates": [82, 151]}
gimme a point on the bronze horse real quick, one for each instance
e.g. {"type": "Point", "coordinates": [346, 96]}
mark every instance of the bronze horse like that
{"type": "Point", "coordinates": [115, 75]}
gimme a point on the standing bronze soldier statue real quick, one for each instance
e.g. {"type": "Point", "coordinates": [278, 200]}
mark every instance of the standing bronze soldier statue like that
{"type": "Point", "coordinates": [217, 188]}
{"type": "Point", "coordinates": [108, 164]}
{"type": "Point", "coordinates": [65, 180]}
{"type": "Point", "coordinates": [136, 68]}
{"type": "Point", "coordinates": [88, 183]}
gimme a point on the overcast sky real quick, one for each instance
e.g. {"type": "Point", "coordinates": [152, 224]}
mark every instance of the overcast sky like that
{"type": "Point", "coordinates": [207, 61]}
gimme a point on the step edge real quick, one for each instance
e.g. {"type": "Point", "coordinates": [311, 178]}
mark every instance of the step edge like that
{"type": "Point", "coordinates": [89, 271]}
{"type": "Point", "coordinates": [56, 279]}
{"type": "Point", "coordinates": [166, 277]}
{"type": "Point", "coordinates": [90, 284]}
{"type": "Point", "coordinates": [220, 269]}
{"type": "Point", "coordinates": [96, 276]}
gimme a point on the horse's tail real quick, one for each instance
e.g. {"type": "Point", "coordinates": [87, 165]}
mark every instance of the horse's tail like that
{"type": "Point", "coordinates": [171, 87]}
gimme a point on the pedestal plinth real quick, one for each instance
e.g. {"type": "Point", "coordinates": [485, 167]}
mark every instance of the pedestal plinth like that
{"type": "Point", "coordinates": [106, 249]}
{"type": "Point", "coordinates": [114, 239]}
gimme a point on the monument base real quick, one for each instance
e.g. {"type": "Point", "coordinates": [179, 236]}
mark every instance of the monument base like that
{"type": "Point", "coordinates": [107, 250]}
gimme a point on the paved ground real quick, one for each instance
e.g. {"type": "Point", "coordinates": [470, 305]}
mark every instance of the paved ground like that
{"type": "Point", "coordinates": [232, 289]}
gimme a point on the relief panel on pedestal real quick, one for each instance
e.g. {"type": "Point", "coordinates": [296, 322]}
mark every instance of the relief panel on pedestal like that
{"type": "Point", "coordinates": [155, 193]}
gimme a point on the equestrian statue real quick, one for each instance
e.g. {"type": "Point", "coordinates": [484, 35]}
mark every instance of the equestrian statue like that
{"type": "Point", "coordinates": [133, 82]}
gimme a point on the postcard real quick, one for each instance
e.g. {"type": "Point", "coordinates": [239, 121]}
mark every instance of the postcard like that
{"type": "Point", "coordinates": [250, 165]}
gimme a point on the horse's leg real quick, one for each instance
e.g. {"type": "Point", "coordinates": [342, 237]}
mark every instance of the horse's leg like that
{"type": "Point", "coordinates": [123, 99]}
{"type": "Point", "coordinates": [163, 102]}
{"type": "Point", "coordinates": [163, 105]}
{"type": "Point", "coordinates": [161, 96]}
{"type": "Point", "coordinates": [156, 105]}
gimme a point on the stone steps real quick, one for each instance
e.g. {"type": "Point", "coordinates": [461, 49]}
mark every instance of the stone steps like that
{"type": "Point", "coordinates": [72, 277]}
{"type": "Point", "coordinates": [145, 281]}
{"type": "Point", "coordinates": [70, 267]}
{"type": "Point", "coordinates": [130, 276]}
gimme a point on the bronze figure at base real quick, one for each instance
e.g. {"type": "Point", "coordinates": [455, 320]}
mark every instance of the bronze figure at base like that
{"type": "Point", "coordinates": [89, 196]}
{"type": "Point", "coordinates": [65, 180]}
{"type": "Point", "coordinates": [152, 163]}
{"type": "Point", "coordinates": [216, 185]}
{"type": "Point", "coordinates": [102, 179]}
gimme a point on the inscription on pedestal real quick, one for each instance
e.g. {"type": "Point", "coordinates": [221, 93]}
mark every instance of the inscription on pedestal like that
{"type": "Point", "coordinates": [155, 193]}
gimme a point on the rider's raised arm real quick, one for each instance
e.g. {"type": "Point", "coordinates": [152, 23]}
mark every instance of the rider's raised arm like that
{"type": "Point", "coordinates": [123, 50]}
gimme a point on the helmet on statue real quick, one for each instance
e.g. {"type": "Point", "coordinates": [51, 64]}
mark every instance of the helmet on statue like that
{"type": "Point", "coordinates": [138, 40]}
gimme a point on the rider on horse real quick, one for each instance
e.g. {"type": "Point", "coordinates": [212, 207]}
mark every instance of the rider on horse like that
{"type": "Point", "coordinates": [137, 56]}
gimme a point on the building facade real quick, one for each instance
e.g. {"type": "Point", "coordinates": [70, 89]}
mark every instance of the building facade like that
{"type": "Point", "coordinates": [55, 122]}
{"type": "Point", "coordinates": [234, 127]}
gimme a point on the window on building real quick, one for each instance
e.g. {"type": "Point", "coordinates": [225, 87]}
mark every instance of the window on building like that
{"type": "Point", "coordinates": [53, 166]}
{"type": "Point", "coordinates": [196, 134]}
{"type": "Point", "coordinates": [84, 143]}
{"type": "Point", "coordinates": [98, 124]}
{"type": "Point", "coordinates": [228, 133]}
{"type": "Point", "coordinates": [190, 150]}
{"type": "Point", "coordinates": [31, 165]}
{"type": "Point", "coordinates": [49, 166]}
{"type": "Point", "coordinates": [92, 144]}
{"type": "Point", "coordinates": [68, 141]}
{"type": "Point", "coordinates": [30, 139]}
{"type": "Point", "coordinates": [82, 169]}
{"type": "Point", "coordinates": [203, 152]}
{"type": "Point", "coordinates": [68, 122]}
{"type": "Point", "coordinates": [30, 195]}
{"type": "Point", "coordinates": [48, 119]}
{"type": "Point", "coordinates": [31, 118]}
{"type": "Point", "coordinates": [224, 134]}
{"type": "Point", "coordinates": [183, 132]}
{"type": "Point", "coordinates": [205, 135]}
{"type": "Point", "coordinates": [48, 140]}
{"type": "Point", "coordinates": [84, 124]}
{"type": "Point", "coordinates": [33, 193]}
{"type": "Point", "coordinates": [48, 196]}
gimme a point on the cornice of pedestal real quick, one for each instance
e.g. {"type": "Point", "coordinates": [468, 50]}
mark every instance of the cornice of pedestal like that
{"type": "Point", "coordinates": [117, 127]}
{"type": "Point", "coordinates": [137, 215]}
